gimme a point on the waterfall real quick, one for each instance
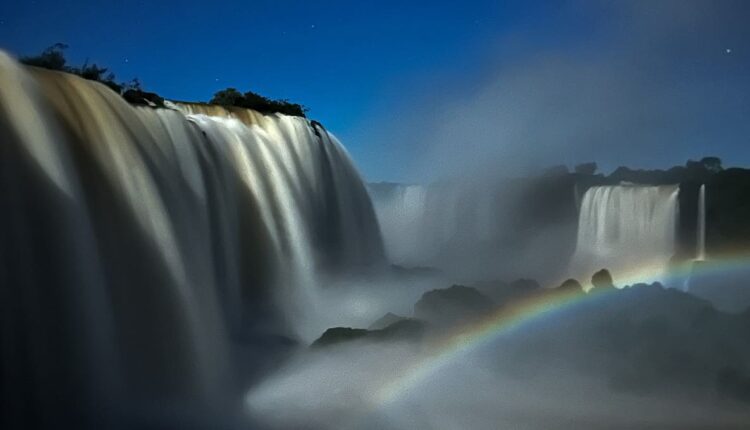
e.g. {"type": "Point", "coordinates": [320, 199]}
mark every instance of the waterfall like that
{"type": "Point", "coordinates": [135, 243]}
{"type": "Point", "coordinates": [427, 224]}
{"type": "Point", "coordinates": [480, 228]}
{"type": "Point", "coordinates": [401, 212]}
{"type": "Point", "coordinates": [701, 230]}
{"type": "Point", "coordinates": [628, 229]}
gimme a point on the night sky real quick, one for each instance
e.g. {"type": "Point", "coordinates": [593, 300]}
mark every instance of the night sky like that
{"type": "Point", "coordinates": [415, 88]}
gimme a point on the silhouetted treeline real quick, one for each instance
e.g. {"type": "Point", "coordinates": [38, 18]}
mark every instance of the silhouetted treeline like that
{"type": "Point", "coordinates": [251, 100]}
{"type": "Point", "coordinates": [727, 200]}
{"type": "Point", "coordinates": [698, 171]}
{"type": "Point", "coordinates": [53, 58]}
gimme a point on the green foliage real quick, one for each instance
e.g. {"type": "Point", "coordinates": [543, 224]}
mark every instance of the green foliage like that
{"type": "Point", "coordinates": [227, 97]}
{"type": "Point", "coordinates": [251, 100]}
{"type": "Point", "coordinates": [708, 164]}
{"type": "Point", "coordinates": [133, 84]}
{"type": "Point", "coordinates": [93, 72]}
{"type": "Point", "coordinates": [712, 164]}
{"type": "Point", "coordinates": [52, 58]}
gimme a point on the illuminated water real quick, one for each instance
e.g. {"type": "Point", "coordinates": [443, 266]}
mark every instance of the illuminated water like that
{"type": "Point", "coordinates": [701, 232]}
{"type": "Point", "coordinates": [626, 227]}
{"type": "Point", "coordinates": [136, 243]}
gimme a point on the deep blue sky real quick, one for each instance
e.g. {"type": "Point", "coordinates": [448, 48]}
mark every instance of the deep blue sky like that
{"type": "Point", "coordinates": [374, 71]}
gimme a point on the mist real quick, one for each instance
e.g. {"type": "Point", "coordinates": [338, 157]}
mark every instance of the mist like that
{"type": "Point", "coordinates": [548, 232]}
{"type": "Point", "coordinates": [643, 84]}
{"type": "Point", "coordinates": [513, 382]}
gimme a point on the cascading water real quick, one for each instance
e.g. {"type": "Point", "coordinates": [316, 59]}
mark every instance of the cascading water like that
{"type": "Point", "coordinates": [426, 225]}
{"type": "Point", "coordinates": [486, 228]}
{"type": "Point", "coordinates": [626, 229]}
{"type": "Point", "coordinates": [136, 243]}
{"type": "Point", "coordinates": [701, 231]}
{"type": "Point", "coordinates": [402, 212]}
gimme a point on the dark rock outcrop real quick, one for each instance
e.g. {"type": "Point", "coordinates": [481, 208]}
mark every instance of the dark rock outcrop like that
{"type": "Point", "coordinates": [602, 279]}
{"type": "Point", "coordinates": [452, 305]}
{"type": "Point", "coordinates": [138, 97]}
{"type": "Point", "coordinates": [385, 321]}
{"type": "Point", "coordinates": [570, 285]}
{"type": "Point", "coordinates": [407, 329]}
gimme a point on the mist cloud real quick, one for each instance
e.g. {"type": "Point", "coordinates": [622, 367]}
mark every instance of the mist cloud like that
{"type": "Point", "coordinates": [647, 84]}
{"type": "Point", "coordinates": [342, 388]}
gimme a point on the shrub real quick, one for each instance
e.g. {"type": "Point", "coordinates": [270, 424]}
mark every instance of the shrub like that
{"type": "Point", "coordinates": [52, 58]}
{"type": "Point", "coordinates": [251, 100]}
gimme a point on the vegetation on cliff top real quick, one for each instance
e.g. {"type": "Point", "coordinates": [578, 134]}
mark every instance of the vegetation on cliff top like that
{"type": "Point", "coordinates": [251, 100]}
{"type": "Point", "coordinates": [53, 58]}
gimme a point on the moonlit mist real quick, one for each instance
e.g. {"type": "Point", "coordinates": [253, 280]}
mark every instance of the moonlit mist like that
{"type": "Point", "coordinates": [495, 215]}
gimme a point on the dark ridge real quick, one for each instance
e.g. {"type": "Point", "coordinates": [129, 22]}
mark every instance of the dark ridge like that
{"type": "Point", "coordinates": [407, 329]}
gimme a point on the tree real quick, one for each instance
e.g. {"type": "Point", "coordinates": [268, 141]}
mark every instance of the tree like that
{"type": "Point", "coordinates": [52, 58]}
{"type": "Point", "coordinates": [227, 97]}
{"type": "Point", "coordinates": [93, 72]}
{"type": "Point", "coordinates": [712, 164]}
{"type": "Point", "coordinates": [255, 101]}
{"type": "Point", "coordinates": [586, 168]}
{"type": "Point", "coordinates": [134, 84]}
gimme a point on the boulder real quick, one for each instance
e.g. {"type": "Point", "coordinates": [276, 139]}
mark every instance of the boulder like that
{"type": "Point", "coordinates": [602, 279]}
{"type": "Point", "coordinates": [570, 285]}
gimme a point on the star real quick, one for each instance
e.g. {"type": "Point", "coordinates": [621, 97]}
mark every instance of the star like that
{"type": "Point", "coordinates": [127, 61]}
{"type": "Point", "coordinates": [312, 26]}
{"type": "Point", "coordinates": [729, 51]}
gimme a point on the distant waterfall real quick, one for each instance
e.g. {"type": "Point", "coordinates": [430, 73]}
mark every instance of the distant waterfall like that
{"type": "Point", "coordinates": [428, 224]}
{"type": "Point", "coordinates": [701, 230]}
{"type": "Point", "coordinates": [402, 213]}
{"type": "Point", "coordinates": [134, 240]}
{"type": "Point", "coordinates": [630, 230]}
{"type": "Point", "coordinates": [490, 228]}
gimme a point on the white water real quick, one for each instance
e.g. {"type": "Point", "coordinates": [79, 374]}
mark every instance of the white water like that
{"type": "Point", "coordinates": [479, 228]}
{"type": "Point", "coordinates": [629, 230]}
{"type": "Point", "coordinates": [427, 225]}
{"type": "Point", "coordinates": [135, 243]}
{"type": "Point", "coordinates": [701, 231]}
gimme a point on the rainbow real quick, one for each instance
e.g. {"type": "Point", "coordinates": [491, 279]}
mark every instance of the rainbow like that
{"type": "Point", "coordinates": [532, 309]}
